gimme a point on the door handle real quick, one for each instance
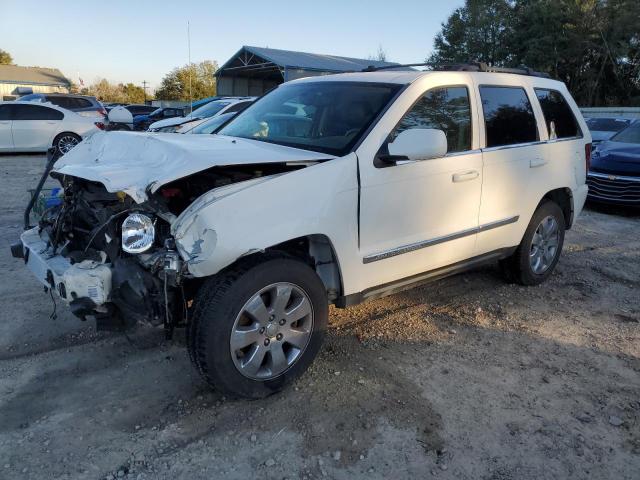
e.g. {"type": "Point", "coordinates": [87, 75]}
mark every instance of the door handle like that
{"type": "Point", "coordinates": [51, 122]}
{"type": "Point", "coordinates": [465, 176]}
{"type": "Point", "coordinates": [537, 162]}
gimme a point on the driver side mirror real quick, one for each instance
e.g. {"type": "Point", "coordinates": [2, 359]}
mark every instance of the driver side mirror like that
{"type": "Point", "coordinates": [416, 144]}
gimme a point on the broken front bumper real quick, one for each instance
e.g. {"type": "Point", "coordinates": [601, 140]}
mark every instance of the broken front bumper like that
{"type": "Point", "coordinates": [83, 282]}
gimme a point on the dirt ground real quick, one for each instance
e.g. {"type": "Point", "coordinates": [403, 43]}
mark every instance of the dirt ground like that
{"type": "Point", "coordinates": [467, 378]}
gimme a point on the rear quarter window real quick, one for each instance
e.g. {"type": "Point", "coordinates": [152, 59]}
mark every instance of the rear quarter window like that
{"type": "Point", "coordinates": [560, 120]}
{"type": "Point", "coordinates": [83, 103]}
{"type": "Point", "coordinates": [508, 116]}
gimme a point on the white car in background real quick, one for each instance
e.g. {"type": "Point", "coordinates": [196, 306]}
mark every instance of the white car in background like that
{"type": "Point", "coordinates": [30, 127]}
{"type": "Point", "coordinates": [211, 109]}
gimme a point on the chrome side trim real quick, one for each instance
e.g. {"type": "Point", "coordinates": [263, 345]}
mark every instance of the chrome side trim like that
{"type": "Point", "coordinates": [435, 241]}
{"type": "Point", "coordinates": [498, 223]}
{"type": "Point", "coordinates": [613, 177]}
{"type": "Point", "coordinates": [515, 145]}
{"type": "Point", "coordinates": [565, 139]}
{"type": "Point", "coordinates": [464, 152]}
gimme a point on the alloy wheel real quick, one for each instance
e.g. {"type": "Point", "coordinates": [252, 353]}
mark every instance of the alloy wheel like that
{"type": "Point", "coordinates": [271, 331]}
{"type": "Point", "coordinates": [66, 143]}
{"type": "Point", "coordinates": [544, 245]}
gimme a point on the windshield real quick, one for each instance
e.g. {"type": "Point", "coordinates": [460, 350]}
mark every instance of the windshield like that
{"type": "Point", "coordinates": [606, 124]}
{"type": "Point", "coordinates": [213, 124]}
{"type": "Point", "coordinates": [209, 110]}
{"type": "Point", "coordinates": [156, 112]}
{"type": "Point", "coordinates": [326, 116]}
{"type": "Point", "coordinates": [631, 134]}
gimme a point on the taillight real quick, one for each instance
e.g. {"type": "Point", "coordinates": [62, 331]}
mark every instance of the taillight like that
{"type": "Point", "coordinates": [102, 112]}
{"type": "Point", "coordinates": [100, 125]}
{"type": "Point", "coordinates": [587, 157]}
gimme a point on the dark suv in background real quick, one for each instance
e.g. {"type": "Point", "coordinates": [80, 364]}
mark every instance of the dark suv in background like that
{"type": "Point", "coordinates": [84, 105]}
{"type": "Point", "coordinates": [142, 122]}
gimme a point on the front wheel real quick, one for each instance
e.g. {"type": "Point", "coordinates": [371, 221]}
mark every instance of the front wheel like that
{"type": "Point", "coordinates": [539, 251]}
{"type": "Point", "coordinates": [258, 326]}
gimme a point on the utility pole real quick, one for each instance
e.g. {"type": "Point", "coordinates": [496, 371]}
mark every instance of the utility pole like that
{"type": "Point", "coordinates": [190, 72]}
{"type": "Point", "coordinates": [144, 89]}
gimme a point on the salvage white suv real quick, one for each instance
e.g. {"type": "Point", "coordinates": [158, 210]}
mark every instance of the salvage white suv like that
{"type": "Point", "coordinates": [328, 190]}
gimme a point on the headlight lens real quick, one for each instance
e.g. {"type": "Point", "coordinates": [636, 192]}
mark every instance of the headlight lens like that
{"type": "Point", "coordinates": [138, 233]}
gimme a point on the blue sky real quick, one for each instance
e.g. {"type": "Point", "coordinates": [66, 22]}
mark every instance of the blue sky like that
{"type": "Point", "coordinates": [136, 40]}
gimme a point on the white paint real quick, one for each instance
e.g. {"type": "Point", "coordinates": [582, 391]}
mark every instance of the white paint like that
{"type": "Point", "coordinates": [133, 161]}
{"type": "Point", "coordinates": [399, 205]}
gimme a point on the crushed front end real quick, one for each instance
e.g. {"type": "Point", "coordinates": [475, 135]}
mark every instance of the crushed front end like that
{"type": "Point", "coordinates": [108, 257]}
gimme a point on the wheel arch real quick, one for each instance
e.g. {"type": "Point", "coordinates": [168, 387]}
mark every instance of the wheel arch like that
{"type": "Point", "coordinates": [314, 250]}
{"type": "Point", "coordinates": [563, 197]}
{"type": "Point", "coordinates": [318, 252]}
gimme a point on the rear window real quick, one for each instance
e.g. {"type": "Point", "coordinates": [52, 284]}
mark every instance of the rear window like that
{"type": "Point", "coordinates": [35, 112]}
{"type": "Point", "coordinates": [63, 102]}
{"type": "Point", "coordinates": [508, 116]}
{"type": "Point", "coordinates": [607, 124]}
{"type": "Point", "coordinates": [561, 123]}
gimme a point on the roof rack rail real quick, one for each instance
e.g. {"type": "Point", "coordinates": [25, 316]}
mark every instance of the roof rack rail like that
{"type": "Point", "coordinates": [463, 67]}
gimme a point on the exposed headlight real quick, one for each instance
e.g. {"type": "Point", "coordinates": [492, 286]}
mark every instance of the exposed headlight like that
{"type": "Point", "coordinates": [138, 233]}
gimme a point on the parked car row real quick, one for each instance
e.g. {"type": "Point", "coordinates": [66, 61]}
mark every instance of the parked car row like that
{"type": "Point", "coordinates": [614, 175]}
{"type": "Point", "coordinates": [211, 109]}
{"type": "Point", "coordinates": [37, 121]}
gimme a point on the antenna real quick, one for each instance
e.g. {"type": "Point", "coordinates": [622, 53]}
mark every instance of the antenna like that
{"type": "Point", "coordinates": [190, 69]}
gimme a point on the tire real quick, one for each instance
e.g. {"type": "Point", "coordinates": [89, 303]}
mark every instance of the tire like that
{"type": "Point", "coordinates": [268, 351]}
{"type": "Point", "coordinates": [65, 141]}
{"type": "Point", "coordinates": [539, 251]}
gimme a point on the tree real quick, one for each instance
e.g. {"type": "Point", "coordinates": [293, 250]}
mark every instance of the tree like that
{"type": "Point", "coordinates": [5, 58]}
{"type": "Point", "coordinates": [591, 45]}
{"type": "Point", "coordinates": [380, 55]}
{"type": "Point", "coordinates": [105, 91]}
{"type": "Point", "coordinates": [193, 81]}
{"type": "Point", "coordinates": [478, 31]}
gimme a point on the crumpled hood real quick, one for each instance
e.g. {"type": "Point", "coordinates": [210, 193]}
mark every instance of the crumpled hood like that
{"type": "Point", "coordinates": [616, 157]}
{"type": "Point", "coordinates": [131, 162]}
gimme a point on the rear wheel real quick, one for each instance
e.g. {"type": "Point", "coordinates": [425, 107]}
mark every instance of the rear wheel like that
{"type": "Point", "coordinates": [258, 326]}
{"type": "Point", "coordinates": [65, 142]}
{"type": "Point", "coordinates": [537, 255]}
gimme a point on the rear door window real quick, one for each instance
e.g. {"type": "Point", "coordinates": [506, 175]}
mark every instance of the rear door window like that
{"type": "Point", "coordinates": [561, 123]}
{"type": "Point", "coordinates": [35, 112]}
{"type": "Point", "coordinates": [508, 116]}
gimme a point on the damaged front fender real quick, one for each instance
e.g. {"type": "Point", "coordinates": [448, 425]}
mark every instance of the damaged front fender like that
{"type": "Point", "coordinates": [238, 220]}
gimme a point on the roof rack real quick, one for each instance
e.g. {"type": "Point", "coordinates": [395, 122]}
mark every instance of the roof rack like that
{"type": "Point", "coordinates": [463, 67]}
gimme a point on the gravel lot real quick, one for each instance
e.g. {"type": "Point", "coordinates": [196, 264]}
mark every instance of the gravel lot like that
{"type": "Point", "coordinates": [466, 378]}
